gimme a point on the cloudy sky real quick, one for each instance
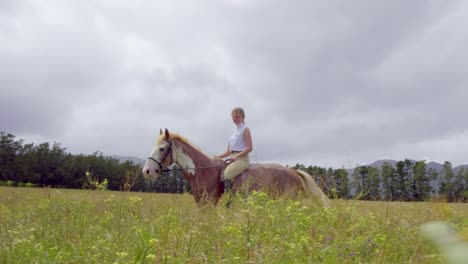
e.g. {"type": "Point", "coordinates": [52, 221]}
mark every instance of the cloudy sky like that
{"type": "Point", "coordinates": [323, 82]}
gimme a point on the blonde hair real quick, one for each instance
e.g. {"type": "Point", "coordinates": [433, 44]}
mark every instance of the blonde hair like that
{"type": "Point", "coordinates": [238, 110]}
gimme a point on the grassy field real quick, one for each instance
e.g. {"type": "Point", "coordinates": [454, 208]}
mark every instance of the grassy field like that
{"type": "Point", "coordinates": [82, 226]}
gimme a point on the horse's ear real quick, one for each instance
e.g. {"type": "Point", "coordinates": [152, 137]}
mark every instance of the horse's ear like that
{"type": "Point", "coordinates": [160, 131]}
{"type": "Point", "coordinates": [166, 132]}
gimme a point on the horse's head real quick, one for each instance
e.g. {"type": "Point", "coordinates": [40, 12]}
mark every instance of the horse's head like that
{"type": "Point", "coordinates": [160, 158]}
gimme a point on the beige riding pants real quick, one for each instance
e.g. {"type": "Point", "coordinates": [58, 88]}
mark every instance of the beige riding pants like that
{"type": "Point", "coordinates": [238, 166]}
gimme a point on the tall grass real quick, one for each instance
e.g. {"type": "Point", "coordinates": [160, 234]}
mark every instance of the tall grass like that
{"type": "Point", "coordinates": [82, 226]}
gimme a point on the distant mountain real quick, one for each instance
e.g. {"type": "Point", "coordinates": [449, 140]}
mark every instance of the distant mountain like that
{"type": "Point", "coordinates": [379, 163]}
{"type": "Point", "coordinates": [135, 160]}
{"type": "Point", "coordinates": [431, 165]}
{"type": "Point", "coordinates": [458, 168]}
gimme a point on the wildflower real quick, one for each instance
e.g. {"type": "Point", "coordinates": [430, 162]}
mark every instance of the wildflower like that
{"type": "Point", "coordinates": [150, 256]}
{"type": "Point", "coordinates": [135, 199]}
{"type": "Point", "coordinates": [121, 254]}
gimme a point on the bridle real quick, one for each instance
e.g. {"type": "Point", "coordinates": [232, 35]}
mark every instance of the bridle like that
{"type": "Point", "coordinates": [165, 169]}
{"type": "Point", "coordinates": [162, 168]}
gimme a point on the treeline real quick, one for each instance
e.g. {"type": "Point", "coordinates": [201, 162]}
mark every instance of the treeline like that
{"type": "Point", "coordinates": [406, 181]}
{"type": "Point", "coordinates": [49, 165]}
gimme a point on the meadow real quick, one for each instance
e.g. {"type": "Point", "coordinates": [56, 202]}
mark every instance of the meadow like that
{"type": "Point", "coordinates": [84, 226]}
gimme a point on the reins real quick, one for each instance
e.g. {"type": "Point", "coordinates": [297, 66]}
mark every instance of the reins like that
{"type": "Point", "coordinates": [165, 170]}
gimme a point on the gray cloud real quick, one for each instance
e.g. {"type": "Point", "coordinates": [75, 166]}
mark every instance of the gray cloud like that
{"type": "Point", "coordinates": [323, 82]}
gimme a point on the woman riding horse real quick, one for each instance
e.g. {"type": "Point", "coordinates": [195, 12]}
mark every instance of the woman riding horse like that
{"type": "Point", "coordinates": [173, 152]}
{"type": "Point", "coordinates": [240, 144]}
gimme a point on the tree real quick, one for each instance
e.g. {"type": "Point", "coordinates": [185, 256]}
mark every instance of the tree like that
{"type": "Point", "coordinates": [341, 183]}
{"type": "Point", "coordinates": [319, 174]}
{"type": "Point", "coordinates": [25, 160]}
{"type": "Point", "coordinates": [366, 182]}
{"type": "Point", "coordinates": [49, 165]}
{"type": "Point", "coordinates": [42, 165]}
{"type": "Point", "coordinates": [389, 183]}
{"type": "Point", "coordinates": [459, 187]}
{"type": "Point", "coordinates": [433, 175]}
{"type": "Point", "coordinates": [374, 184]}
{"type": "Point", "coordinates": [408, 169]}
{"type": "Point", "coordinates": [359, 182]}
{"type": "Point", "coordinates": [446, 182]}
{"type": "Point", "coordinates": [172, 182]}
{"type": "Point", "coordinates": [298, 167]}
{"type": "Point", "coordinates": [421, 188]}
{"type": "Point", "coordinates": [77, 165]}
{"type": "Point", "coordinates": [404, 177]}
{"type": "Point", "coordinates": [9, 150]}
{"type": "Point", "coordinates": [56, 161]}
{"type": "Point", "coordinates": [465, 191]}
{"type": "Point", "coordinates": [329, 184]}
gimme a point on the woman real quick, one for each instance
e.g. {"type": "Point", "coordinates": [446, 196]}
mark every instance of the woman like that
{"type": "Point", "coordinates": [239, 147]}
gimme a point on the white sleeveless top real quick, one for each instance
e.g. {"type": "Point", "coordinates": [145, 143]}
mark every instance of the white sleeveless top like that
{"type": "Point", "coordinates": [237, 139]}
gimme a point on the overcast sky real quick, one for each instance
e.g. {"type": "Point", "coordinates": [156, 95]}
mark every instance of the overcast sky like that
{"type": "Point", "coordinates": [323, 82]}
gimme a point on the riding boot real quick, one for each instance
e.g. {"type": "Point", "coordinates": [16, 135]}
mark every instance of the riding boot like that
{"type": "Point", "coordinates": [227, 185]}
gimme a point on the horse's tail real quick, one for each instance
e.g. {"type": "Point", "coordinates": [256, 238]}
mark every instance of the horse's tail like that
{"type": "Point", "coordinates": [311, 186]}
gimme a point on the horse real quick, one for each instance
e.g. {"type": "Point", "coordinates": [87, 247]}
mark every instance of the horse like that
{"type": "Point", "coordinates": [173, 152]}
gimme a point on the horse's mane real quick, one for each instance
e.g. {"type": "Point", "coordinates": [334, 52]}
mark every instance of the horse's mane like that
{"type": "Point", "coordinates": [182, 139]}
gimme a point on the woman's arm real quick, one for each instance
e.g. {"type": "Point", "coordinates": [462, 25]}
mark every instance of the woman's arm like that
{"type": "Point", "coordinates": [224, 155]}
